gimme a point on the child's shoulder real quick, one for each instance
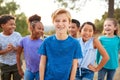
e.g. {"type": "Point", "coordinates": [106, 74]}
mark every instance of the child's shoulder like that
{"type": "Point", "coordinates": [0, 33]}
{"type": "Point", "coordinates": [117, 36]}
{"type": "Point", "coordinates": [102, 36]}
{"type": "Point", "coordinates": [16, 33]}
{"type": "Point", "coordinates": [49, 38]}
{"type": "Point", "coordinates": [74, 40]}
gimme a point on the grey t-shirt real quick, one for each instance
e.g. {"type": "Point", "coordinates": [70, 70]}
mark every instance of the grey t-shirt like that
{"type": "Point", "coordinates": [14, 38]}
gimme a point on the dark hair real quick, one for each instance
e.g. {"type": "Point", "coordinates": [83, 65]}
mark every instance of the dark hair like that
{"type": "Point", "coordinates": [5, 18]}
{"type": "Point", "coordinates": [89, 23]}
{"type": "Point", "coordinates": [34, 19]}
{"type": "Point", "coordinates": [76, 22]}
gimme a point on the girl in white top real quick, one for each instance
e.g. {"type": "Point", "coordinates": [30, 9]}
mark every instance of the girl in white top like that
{"type": "Point", "coordinates": [89, 44]}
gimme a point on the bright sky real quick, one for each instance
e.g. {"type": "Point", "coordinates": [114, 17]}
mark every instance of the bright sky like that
{"type": "Point", "coordinates": [44, 8]}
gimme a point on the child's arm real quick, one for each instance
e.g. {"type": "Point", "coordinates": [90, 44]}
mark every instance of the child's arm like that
{"type": "Point", "coordinates": [42, 66]}
{"type": "Point", "coordinates": [73, 70]}
{"type": "Point", "coordinates": [18, 55]}
{"type": "Point", "coordinates": [98, 57]}
{"type": "Point", "coordinates": [104, 54]}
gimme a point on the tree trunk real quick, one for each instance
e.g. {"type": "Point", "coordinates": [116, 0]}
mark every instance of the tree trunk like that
{"type": "Point", "coordinates": [111, 9]}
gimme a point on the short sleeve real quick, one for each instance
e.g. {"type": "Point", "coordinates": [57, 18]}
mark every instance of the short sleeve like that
{"type": "Point", "coordinates": [18, 37]}
{"type": "Point", "coordinates": [42, 49]}
{"type": "Point", "coordinates": [0, 46]}
{"type": "Point", "coordinates": [78, 52]}
{"type": "Point", "coordinates": [21, 43]}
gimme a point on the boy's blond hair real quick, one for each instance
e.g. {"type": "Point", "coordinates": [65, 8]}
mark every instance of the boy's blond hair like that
{"type": "Point", "coordinates": [61, 11]}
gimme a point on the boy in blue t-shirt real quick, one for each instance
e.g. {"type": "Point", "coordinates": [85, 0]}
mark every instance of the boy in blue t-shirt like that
{"type": "Point", "coordinates": [60, 52]}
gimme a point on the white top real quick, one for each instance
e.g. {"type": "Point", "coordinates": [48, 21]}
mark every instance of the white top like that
{"type": "Point", "coordinates": [88, 52]}
{"type": "Point", "coordinates": [14, 38]}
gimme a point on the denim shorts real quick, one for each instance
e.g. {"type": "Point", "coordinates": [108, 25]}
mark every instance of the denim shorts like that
{"type": "Point", "coordinates": [85, 74]}
{"type": "Point", "coordinates": [30, 75]}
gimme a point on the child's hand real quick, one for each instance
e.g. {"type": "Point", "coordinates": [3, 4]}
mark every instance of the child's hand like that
{"type": "Point", "coordinates": [10, 47]}
{"type": "Point", "coordinates": [21, 72]}
{"type": "Point", "coordinates": [92, 68]}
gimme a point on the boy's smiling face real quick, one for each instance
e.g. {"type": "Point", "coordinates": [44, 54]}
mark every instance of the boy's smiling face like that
{"type": "Point", "coordinates": [9, 27]}
{"type": "Point", "coordinates": [61, 23]}
{"type": "Point", "coordinates": [73, 29]}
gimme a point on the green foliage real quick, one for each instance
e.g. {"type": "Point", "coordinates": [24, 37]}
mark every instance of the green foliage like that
{"type": "Point", "coordinates": [21, 24]}
{"type": "Point", "coordinates": [117, 14]}
{"type": "Point", "coordinates": [10, 8]}
{"type": "Point", "coordinates": [99, 23]}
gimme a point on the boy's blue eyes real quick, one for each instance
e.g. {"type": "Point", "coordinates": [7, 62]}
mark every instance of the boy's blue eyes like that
{"type": "Point", "coordinates": [107, 25]}
{"type": "Point", "coordinates": [60, 21]}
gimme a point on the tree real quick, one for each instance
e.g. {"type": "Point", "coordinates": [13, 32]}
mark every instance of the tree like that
{"type": "Point", "coordinates": [11, 8]}
{"type": "Point", "coordinates": [99, 23]}
{"type": "Point", "coordinates": [111, 8]}
{"type": "Point", "coordinates": [73, 4]}
{"type": "Point", "coordinates": [8, 7]}
{"type": "Point", "coordinates": [21, 24]}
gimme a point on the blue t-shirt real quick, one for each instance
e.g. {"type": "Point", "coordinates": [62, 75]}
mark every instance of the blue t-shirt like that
{"type": "Point", "coordinates": [60, 55]}
{"type": "Point", "coordinates": [112, 46]}
{"type": "Point", "coordinates": [32, 58]}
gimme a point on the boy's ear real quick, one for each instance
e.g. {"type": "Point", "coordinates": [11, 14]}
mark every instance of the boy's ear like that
{"type": "Point", "coordinates": [31, 28]}
{"type": "Point", "coordinates": [79, 29]}
{"type": "Point", "coordinates": [2, 25]}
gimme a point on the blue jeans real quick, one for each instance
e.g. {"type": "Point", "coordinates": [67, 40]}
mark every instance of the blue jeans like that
{"type": "Point", "coordinates": [109, 72]}
{"type": "Point", "coordinates": [85, 74]}
{"type": "Point", "coordinates": [31, 76]}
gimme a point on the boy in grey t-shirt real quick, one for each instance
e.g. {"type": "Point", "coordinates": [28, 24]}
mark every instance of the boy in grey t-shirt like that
{"type": "Point", "coordinates": [8, 47]}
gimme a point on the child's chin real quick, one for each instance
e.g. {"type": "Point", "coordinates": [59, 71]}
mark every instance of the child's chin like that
{"type": "Point", "coordinates": [10, 32]}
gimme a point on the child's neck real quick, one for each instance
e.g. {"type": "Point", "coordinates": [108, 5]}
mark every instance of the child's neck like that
{"type": "Point", "coordinates": [75, 36]}
{"type": "Point", "coordinates": [6, 34]}
{"type": "Point", "coordinates": [61, 36]}
{"type": "Point", "coordinates": [33, 37]}
{"type": "Point", "coordinates": [110, 35]}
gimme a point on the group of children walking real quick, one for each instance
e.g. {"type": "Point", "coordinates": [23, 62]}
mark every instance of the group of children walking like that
{"type": "Point", "coordinates": [69, 54]}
